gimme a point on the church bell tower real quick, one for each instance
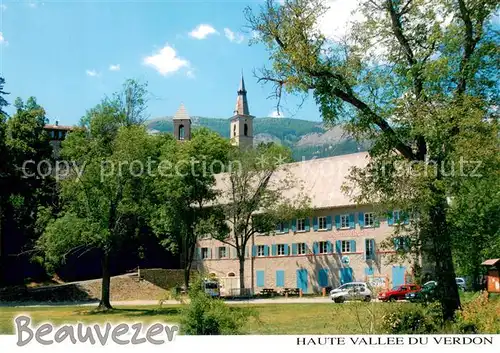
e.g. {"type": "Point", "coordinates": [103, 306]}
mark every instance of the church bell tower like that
{"type": "Point", "coordinates": [241, 133]}
{"type": "Point", "coordinates": [182, 124]}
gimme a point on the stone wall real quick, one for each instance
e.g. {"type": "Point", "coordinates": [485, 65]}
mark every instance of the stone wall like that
{"type": "Point", "coordinates": [164, 278]}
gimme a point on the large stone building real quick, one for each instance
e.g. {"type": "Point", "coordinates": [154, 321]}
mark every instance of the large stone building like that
{"type": "Point", "coordinates": [339, 242]}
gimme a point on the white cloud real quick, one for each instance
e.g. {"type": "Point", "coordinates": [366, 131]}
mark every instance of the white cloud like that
{"type": "Point", "coordinates": [202, 31]}
{"type": "Point", "coordinates": [92, 73]}
{"type": "Point", "coordinates": [335, 23]}
{"type": "Point", "coordinates": [114, 67]}
{"type": "Point", "coordinates": [275, 114]}
{"type": "Point", "coordinates": [166, 61]}
{"type": "Point", "coordinates": [2, 39]}
{"type": "Point", "coordinates": [234, 37]}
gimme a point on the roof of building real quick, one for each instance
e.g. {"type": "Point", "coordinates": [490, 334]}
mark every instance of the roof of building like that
{"type": "Point", "coordinates": [491, 262]}
{"type": "Point", "coordinates": [320, 179]}
{"type": "Point", "coordinates": [58, 127]}
{"type": "Point", "coordinates": [181, 113]}
{"type": "Point", "coordinates": [241, 101]}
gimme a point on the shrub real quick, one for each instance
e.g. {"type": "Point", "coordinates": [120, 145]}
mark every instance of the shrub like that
{"type": "Point", "coordinates": [208, 316]}
{"type": "Point", "coordinates": [480, 315]}
{"type": "Point", "coordinates": [413, 320]}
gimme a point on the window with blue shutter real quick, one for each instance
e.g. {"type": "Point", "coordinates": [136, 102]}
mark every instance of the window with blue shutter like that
{"type": "Point", "coordinates": [260, 278]}
{"type": "Point", "coordinates": [266, 250]}
{"type": "Point", "coordinates": [198, 253]}
{"type": "Point", "coordinates": [338, 247]}
{"type": "Point", "coordinates": [280, 278]}
{"type": "Point", "coordinates": [329, 247]}
{"type": "Point", "coordinates": [353, 245]}
{"type": "Point", "coordinates": [294, 225]}
{"type": "Point", "coordinates": [361, 219]}
{"type": "Point", "coordinates": [209, 253]}
{"type": "Point", "coordinates": [273, 249]}
{"type": "Point", "coordinates": [285, 227]}
{"type": "Point", "coordinates": [294, 249]}
{"type": "Point", "coordinates": [287, 250]}
{"type": "Point", "coordinates": [323, 277]}
{"type": "Point", "coordinates": [254, 250]}
{"type": "Point", "coordinates": [315, 224]}
{"type": "Point", "coordinates": [315, 248]}
{"type": "Point", "coordinates": [307, 227]}
{"type": "Point", "coordinates": [329, 222]}
{"type": "Point", "coordinates": [337, 221]}
{"type": "Point", "coordinates": [352, 224]}
{"type": "Point", "coordinates": [390, 218]}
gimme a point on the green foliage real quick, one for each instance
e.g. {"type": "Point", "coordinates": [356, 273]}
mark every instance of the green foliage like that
{"type": "Point", "coordinates": [208, 316]}
{"type": "Point", "coordinates": [413, 320]}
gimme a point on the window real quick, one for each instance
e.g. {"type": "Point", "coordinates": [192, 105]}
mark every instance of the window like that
{"type": "Point", "coordinates": [399, 243]}
{"type": "Point", "coordinates": [204, 253]}
{"type": "Point", "coordinates": [52, 133]}
{"type": "Point", "coordinates": [369, 220]}
{"type": "Point", "coordinates": [245, 130]}
{"type": "Point", "coordinates": [323, 247]}
{"type": "Point", "coordinates": [260, 250]}
{"type": "Point", "coordinates": [181, 132]}
{"type": "Point", "coordinates": [301, 248]}
{"type": "Point", "coordinates": [281, 249]}
{"type": "Point", "coordinates": [231, 274]}
{"type": "Point", "coordinates": [280, 227]}
{"type": "Point", "coordinates": [369, 250]}
{"type": "Point", "coordinates": [322, 223]}
{"type": "Point", "coordinates": [301, 225]}
{"type": "Point", "coordinates": [396, 216]}
{"type": "Point", "coordinates": [344, 221]}
{"type": "Point", "coordinates": [222, 252]}
{"type": "Point", "coordinates": [346, 246]}
{"type": "Point", "coordinates": [234, 130]}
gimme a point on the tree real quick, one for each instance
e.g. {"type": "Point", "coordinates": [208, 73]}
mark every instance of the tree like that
{"type": "Point", "coordinates": [407, 76]}
{"type": "Point", "coordinates": [4, 170]}
{"type": "Point", "coordinates": [105, 195]}
{"type": "Point", "coordinates": [184, 196]}
{"type": "Point", "coordinates": [252, 197]}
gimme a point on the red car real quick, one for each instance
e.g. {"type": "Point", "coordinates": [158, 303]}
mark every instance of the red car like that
{"type": "Point", "coordinates": [398, 293]}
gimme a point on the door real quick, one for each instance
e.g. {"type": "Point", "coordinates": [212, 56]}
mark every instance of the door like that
{"type": "Point", "coordinates": [323, 278]}
{"type": "Point", "coordinates": [398, 275]}
{"type": "Point", "coordinates": [345, 275]}
{"type": "Point", "coordinates": [302, 280]}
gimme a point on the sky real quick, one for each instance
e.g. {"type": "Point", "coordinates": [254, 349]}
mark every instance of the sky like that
{"type": "Point", "coordinates": [70, 54]}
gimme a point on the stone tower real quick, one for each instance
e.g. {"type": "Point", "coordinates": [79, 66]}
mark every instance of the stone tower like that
{"type": "Point", "coordinates": [241, 133]}
{"type": "Point", "coordinates": [182, 124]}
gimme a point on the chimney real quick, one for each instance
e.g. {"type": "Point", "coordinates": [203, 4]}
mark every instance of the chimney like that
{"type": "Point", "coordinates": [57, 122]}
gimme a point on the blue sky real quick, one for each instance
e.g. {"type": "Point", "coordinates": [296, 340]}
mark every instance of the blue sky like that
{"type": "Point", "coordinates": [70, 54]}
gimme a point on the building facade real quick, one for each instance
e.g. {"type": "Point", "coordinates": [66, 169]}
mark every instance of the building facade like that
{"type": "Point", "coordinates": [57, 134]}
{"type": "Point", "coordinates": [338, 243]}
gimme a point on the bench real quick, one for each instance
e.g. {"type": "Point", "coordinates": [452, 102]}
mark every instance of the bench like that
{"type": "Point", "coordinates": [268, 292]}
{"type": "Point", "coordinates": [291, 291]}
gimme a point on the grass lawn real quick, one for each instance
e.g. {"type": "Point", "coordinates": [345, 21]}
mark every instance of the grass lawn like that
{"type": "Point", "coordinates": [318, 318]}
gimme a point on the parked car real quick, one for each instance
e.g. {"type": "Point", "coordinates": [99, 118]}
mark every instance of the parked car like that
{"type": "Point", "coordinates": [212, 288]}
{"type": "Point", "coordinates": [352, 291]}
{"type": "Point", "coordinates": [425, 294]}
{"type": "Point", "coordinates": [398, 293]}
{"type": "Point", "coordinates": [461, 283]}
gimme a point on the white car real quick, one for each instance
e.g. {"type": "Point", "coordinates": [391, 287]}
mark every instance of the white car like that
{"type": "Point", "coordinates": [351, 291]}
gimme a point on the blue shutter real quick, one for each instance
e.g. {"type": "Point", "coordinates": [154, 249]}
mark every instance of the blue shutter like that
{"type": "Point", "coordinates": [406, 243]}
{"type": "Point", "coordinates": [353, 245]}
{"type": "Point", "coordinates": [329, 222]}
{"type": "Point", "coordinates": [323, 277]}
{"type": "Point", "coordinates": [280, 278]}
{"type": "Point", "coordinates": [294, 225]}
{"type": "Point", "coordinates": [209, 253]}
{"type": "Point", "coordinates": [315, 224]}
{"type": "Point", "coordinates": [352, 225]}
{"type": "Point", "coordinates": [369, 271]}
{"type": "Point", "coordinates": [285, 227]}
{"type": "Point", "coordinates": [337, 221]}
{"type": "Point", "coordinates": [361, 219]}
{"type": "Point", "coordinates": [372, 241]}
{"type": "Point", "coordinates": [260, 278]}
{"type": "Point", "coordinates": [405, 218]}
{"type": "Point", "coordinates": [376, 221]}
{"type": "Point", "coordinates": [395, 240]}
{"type": "Point", "coordinates": [273, 249]}
{"type": "Point", "coordinates": [307, 224]}
{"type": "Point", "coordinates": [306, 248]}
{"type": "Point", "coordinates": [294, 249]}
{"type": "Point", "coordinates": [329, 247]}
{"type": "Point", "coordinates": [390, 218]}
{"type": "Point", "coordinates": [254, 250]}
{"type": "Point", "coordinates": [338, 247]}
{"type": "Point", "coordinates": [287, 250]}
{"type": "Point", "coordinates": [198, 253]}
{"type": "Point", "coordinates": [315, 248]}
{"type": "Point", "coordinates": [266, 250]}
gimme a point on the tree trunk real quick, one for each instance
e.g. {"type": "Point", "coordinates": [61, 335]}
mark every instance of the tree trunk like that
{"type": "Point", "coordinates": [105, 304]}
{"type": "Point", "coordinates": [242, 275]}
{"type": "Point", "coordinates": [442, 255]}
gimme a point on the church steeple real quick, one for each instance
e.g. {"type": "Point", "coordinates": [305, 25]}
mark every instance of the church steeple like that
{"type": "Point", "coordinates": [182, 124]}
{"type": "Point", "coordinates": [242, 122]}
{"type": "Point", "coordinates": [241, 100]}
